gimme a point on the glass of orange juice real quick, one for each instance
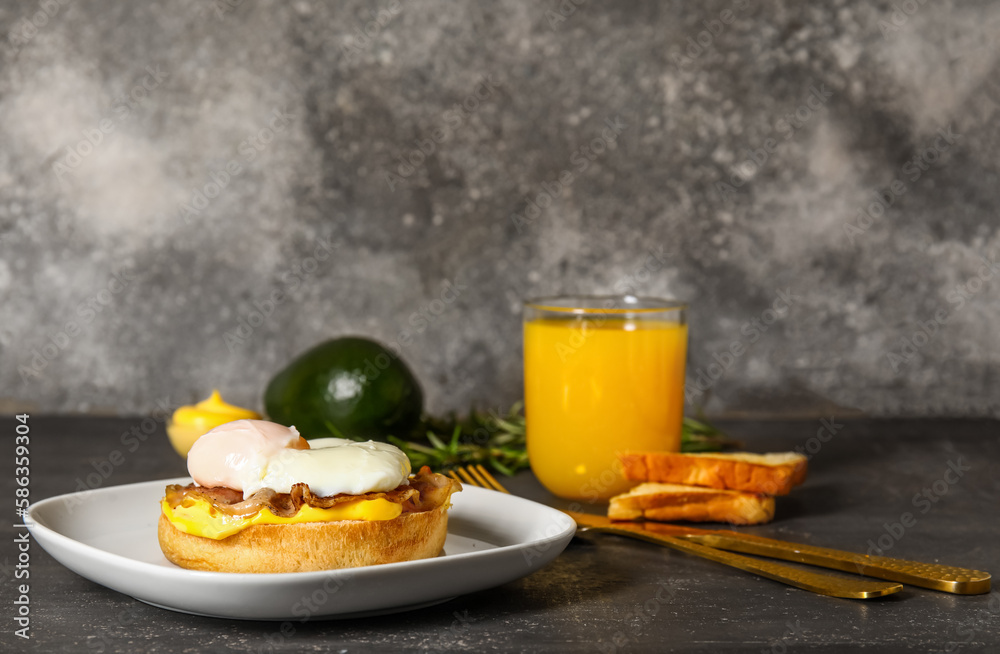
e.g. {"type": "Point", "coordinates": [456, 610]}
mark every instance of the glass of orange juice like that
{"type": "Point", "coordinates": [602, 375]}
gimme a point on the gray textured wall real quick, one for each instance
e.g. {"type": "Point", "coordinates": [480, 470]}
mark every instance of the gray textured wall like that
{"type": "Point", "coordinates": [119, 279]}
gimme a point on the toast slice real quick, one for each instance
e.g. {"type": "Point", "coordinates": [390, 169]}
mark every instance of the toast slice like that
{"type": "Point", "coordinates": [772, 474]}
{"type": "Point", "coordinates": [671, 502]}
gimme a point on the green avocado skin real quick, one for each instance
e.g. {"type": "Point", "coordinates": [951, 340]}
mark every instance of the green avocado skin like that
{"type": "Point", "coordinates": [351, 385]}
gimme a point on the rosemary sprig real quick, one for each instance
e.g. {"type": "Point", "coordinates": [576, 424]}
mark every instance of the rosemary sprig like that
{"type": "Point", "coordinates": [701, 436]}
{"type": "Point", "coordinates": [497, 441]}
{"type": "Point", "coordinates": [484, 437]}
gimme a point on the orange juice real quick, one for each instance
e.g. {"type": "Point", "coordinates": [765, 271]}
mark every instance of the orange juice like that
{"type": "Point", "coordinates": [594, 387]}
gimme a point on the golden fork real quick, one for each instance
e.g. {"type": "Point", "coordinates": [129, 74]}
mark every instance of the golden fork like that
{"type": "Point", "coordinates": [709, 543]}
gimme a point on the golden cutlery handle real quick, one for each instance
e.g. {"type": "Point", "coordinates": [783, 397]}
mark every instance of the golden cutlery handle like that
{"type": "Point", "coordinates": [949, 579]}
{"type": "Point", "coordinates": [812, 581]}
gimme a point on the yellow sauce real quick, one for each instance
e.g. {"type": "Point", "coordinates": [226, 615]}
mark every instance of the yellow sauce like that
{"type": "Point", "coordinates": [191, 422]}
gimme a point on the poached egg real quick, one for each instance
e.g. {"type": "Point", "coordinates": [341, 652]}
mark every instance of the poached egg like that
{"type": "Point", "coordinates": [249, 455]}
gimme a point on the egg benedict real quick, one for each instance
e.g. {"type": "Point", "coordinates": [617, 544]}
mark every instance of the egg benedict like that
{"type": "Point", "coordinates": [266, 500]}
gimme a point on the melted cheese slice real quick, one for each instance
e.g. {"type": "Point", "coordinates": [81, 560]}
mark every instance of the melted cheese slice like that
{"type": "Point", "coordinates": [200, 518]}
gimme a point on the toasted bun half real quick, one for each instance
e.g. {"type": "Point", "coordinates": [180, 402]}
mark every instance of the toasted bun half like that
{"type": "Point", "coordinates": [310, 546]}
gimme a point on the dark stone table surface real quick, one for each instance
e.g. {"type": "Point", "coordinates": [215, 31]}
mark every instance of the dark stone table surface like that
{"type": "Point", "coordinates": [604, 593]}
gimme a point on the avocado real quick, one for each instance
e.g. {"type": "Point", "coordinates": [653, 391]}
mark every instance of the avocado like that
{"type": "Point", "coordinates": [349, 387]}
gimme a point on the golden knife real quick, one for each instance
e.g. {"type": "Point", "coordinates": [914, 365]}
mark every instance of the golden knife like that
{"type": "Point", "coordinates": [946, 578]}
{"type": "Point", "coordinates": [823, 584]}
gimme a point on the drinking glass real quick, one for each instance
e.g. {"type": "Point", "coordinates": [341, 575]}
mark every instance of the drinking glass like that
{"type": "Point", "coordinates": [602, 375]}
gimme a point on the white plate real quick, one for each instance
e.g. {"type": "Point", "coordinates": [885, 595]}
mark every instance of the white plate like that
{"type": "Point", "coordinates": [108, 535]}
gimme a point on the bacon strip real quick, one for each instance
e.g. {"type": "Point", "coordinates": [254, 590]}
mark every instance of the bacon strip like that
{"type": "Point", "coordinates": [427, 490]}
{"type": "Point", "coordinates": [433, 490]}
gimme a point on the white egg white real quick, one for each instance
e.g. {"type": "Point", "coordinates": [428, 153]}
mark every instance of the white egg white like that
{"type": "Point", "coordinates": [250, 455]}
